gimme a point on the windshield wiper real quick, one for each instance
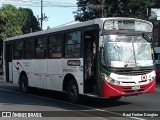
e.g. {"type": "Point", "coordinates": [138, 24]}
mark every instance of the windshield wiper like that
{"type": "Point", "coordinates": [146, 37]}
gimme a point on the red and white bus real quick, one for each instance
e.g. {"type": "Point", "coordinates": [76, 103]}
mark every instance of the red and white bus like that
{"type": "Point", "coordinates": [105, 57]}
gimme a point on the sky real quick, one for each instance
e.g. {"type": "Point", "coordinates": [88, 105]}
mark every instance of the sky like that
{"type": "Point", "coordinates": [56, 15]}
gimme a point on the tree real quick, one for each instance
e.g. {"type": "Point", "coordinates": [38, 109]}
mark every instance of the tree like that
{"type": "Point", "coordinates": [10, 25]}
{"type": "Point", "coordinates": [90, 9]}
{"type": "Point", "coordinates": [15, 21]}
{"type": "Point", "coordinates": [157, 4]}
{"type": "Point", "coordinates": [87, 10]}
{"type": "Point", "coordinates": [28, 21]}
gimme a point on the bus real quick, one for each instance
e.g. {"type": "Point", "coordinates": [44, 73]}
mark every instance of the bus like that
{"type": "Point", "coordinates": [105, 57]}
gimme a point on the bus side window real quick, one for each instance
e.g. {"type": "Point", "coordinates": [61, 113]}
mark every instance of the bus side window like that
{"type": "Point", "coordinates": [72, 44]}
{"type": "Point", "coordinates": [29, 48]}
{"type": "Point", "coordinates": [41, 47]}
{"type": "Point", "coordinates": [18, 50]}
{"type": "Point", "coordinates": [55, 46]}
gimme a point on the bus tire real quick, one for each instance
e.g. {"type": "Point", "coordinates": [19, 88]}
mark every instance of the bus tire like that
{"type": "Point", "coordinates": [115, 98]}
{"type": "Point", "coordinates": [72, 92]}
{"type": "Point", "coordinates": [24, 84]}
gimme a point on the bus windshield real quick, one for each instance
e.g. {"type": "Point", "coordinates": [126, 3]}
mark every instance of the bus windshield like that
{"type": "Point", "coordinates": [126, 51]}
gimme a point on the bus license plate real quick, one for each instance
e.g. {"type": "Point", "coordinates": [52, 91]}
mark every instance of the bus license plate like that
{"type": "Point", "coordinates": [135, 87]}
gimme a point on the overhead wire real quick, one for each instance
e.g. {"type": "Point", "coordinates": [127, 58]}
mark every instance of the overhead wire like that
{"type": "Point", "coordinates": [46, 3]}
{"type": "Point", "coordinates": [37, 3]}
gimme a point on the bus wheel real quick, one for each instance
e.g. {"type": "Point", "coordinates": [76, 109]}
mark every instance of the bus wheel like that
{"type": "Point", "coordinates": [24, 84]}
{"type": "Point", "coordinates": [115, 98]}
{"type": "Point", "coordinates": [72, 92]}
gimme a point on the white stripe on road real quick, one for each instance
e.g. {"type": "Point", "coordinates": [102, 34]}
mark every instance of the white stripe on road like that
{"type": "Point", "coordinates": [136, 118]}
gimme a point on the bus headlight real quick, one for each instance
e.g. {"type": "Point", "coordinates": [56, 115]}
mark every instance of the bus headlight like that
{"type": "Point", "coordinates": [115, 82]}
{"type": "Point", "coordinates": [110, 80]}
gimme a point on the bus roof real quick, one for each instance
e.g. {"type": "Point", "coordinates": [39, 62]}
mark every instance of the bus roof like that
{"type": "Point", "coordinates": [98, 21]}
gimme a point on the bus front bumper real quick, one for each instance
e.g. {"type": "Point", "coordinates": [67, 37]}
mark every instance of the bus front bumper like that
{"type": "Point", "coordinates": [110, 90]}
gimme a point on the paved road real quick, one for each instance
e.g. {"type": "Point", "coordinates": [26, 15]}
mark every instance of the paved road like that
{"type": "Point", "coordinates": [43, 100]}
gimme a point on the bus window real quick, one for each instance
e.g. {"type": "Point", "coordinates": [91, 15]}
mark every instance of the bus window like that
{"type": "Point", "coordinates": [18, 48]}
{"type": "Point", "coordinates": [41, 47]}
{"type": "Point", "coordinates": [28, 48]}
{"type": "Point", "coordinates": [72, 44]}
{"type": "Point", "coordinates": [55, 46]}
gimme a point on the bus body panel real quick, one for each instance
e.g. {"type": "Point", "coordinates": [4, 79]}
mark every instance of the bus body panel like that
{"type": "Point", "coordinates": [110, 90]}
{"type": "Point", "coordinates": [17, 68]}
{"type": "Point", "coordinates": [26, 66]}
{"type": "Point", "coordinates": [54, 76]}
{"type": "Point", "coordinates": [48, 74]}
{"type": "Point", "coordinates": [16, 77]}
{"type": "Point", "coordinates": [10, 72]}
{"type": "Point", "coordinates": [128, 84]}
{"type": "Point", "coordinates": [133, 80]}
{"type": "Point", "coordinates": [74, 67]}
{"type": "Point", "coordinates": [40, 71]}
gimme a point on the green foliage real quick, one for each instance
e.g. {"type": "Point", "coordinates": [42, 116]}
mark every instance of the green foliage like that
{"type": "Point", "coordinates": [157, 4]}
{"type": "Point", "coordinates": [87, 10]}
{"type": "Point", "coordinates": [91, 9]}
{"type": "Point", "coordinates": [28, 21]}
{"type": "Point", "coordinates": [9, 24]}
{"type": "Point", "coordinates": [15, 21]}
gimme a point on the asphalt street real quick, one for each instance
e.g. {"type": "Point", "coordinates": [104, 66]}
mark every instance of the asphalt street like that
{"type": "Point", "coordinates": [55, 105]}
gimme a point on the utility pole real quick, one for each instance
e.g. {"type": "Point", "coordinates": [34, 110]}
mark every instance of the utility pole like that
{"type": "Point", "coordinates": [43, 16]}
{"type": "Point", "coordinates": [102, 2]}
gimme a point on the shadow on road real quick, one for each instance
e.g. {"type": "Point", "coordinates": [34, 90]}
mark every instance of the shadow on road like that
{"type": "Point", "coordinates": [52, 95]}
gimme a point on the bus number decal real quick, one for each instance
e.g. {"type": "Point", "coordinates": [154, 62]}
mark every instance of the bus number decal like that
{"type": "Point", "coordinates": [73, 62]}
{"type": "Point", "coordinates": [70, 70]}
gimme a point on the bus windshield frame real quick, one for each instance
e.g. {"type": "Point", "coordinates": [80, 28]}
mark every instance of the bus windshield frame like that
{"type": "Point", "coordinates": [126, 51]}
{"type": "Point", "coordinates": [127, 43]}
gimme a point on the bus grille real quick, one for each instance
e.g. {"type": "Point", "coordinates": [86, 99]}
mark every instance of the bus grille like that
{"type": "Point", "coordinates": [134, 72]}
{"type": "Point", "coordinates": [129, 90]}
